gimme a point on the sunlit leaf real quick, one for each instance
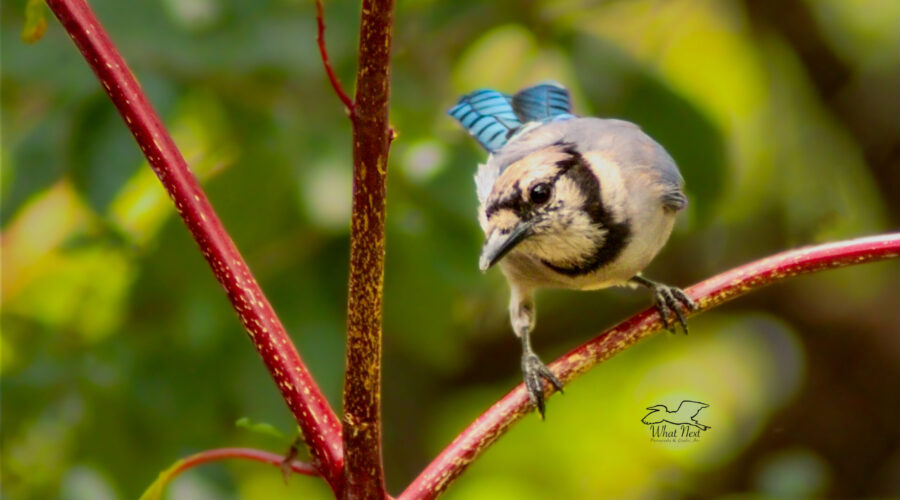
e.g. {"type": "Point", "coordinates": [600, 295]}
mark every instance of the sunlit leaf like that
{"type": "Point", "coordinates": [865, 34]}
{"type": "Point", "coordinates": [35, 21]}
{"type": "Point", "coordinates": [157, 488]}
{"type": "Point", "coordinates": [508, 58]}
{"type": "Point", "coordinates": [200, 128]}
{"type": "Point", "coordinates": [261, 428]}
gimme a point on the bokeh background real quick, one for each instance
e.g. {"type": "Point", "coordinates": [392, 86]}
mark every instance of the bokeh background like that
{"type": "Point", "coordinates": [120, 353]}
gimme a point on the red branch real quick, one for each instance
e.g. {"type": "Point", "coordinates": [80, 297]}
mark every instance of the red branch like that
{"type": "Point", "coordinates": [320, 426]}
{"type": "Point", "coordinates": [244, 453]}
{"type": "Point", "coordinates": [363, 471]}
{"type": "Point", "coordinates": [716, 290]}
{"type": "Point", "coordinates": [320, 38]}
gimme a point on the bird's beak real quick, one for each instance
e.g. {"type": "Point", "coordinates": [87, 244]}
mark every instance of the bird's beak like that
{"type": "Point", "coordinates": [498, 244]}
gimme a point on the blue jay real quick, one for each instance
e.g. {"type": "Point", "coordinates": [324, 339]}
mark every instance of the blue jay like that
{"type": "Point", "coordinates": [568, 202]}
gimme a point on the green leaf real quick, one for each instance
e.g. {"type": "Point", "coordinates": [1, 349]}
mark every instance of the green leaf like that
{"type": "Point", "coordinates": [156, 489]}
{"type": "Point", "coordinates": [35, 21]}
{"type": "Point", "coordinates": [259, 428]}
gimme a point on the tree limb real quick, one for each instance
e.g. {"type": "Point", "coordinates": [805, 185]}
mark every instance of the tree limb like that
{"type": "Point", "coordinates": [332, 77]}
{"type": "Point", "coordinates": [363, 469]}
{"type": "Point", "coordinates": [487, 428]}
{"type": "Point", "coordinates": [320, 426]}
{"type": "Point", "coordinates": [156, 490]}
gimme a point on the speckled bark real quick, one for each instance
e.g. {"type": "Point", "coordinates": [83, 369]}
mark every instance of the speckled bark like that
{"type": "Point", "coordinates": [320, 425]}
{"type": "Point", "coordinates": [708, 294]}
{"type": "Point", "coordinates": [363, 474]}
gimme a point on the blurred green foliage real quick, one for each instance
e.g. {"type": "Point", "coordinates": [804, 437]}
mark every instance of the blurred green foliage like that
{"type": "Point", "coordinates": [119, 353]}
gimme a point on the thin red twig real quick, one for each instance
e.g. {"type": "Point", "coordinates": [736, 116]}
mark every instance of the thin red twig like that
{"type": "Point", "coordinates": [349, 107]}
{"type": "Point", "coordinates": [321, 428]}
{"type": "Point", "coordinates": [487, 428]}
{"type": "Point", "coordinates": [243, 453]}
{"type": "Point", "coordinates": [363, 468]}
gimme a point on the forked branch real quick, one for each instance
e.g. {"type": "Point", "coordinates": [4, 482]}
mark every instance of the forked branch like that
{"type": "Point", "coordinates": [323, 51]}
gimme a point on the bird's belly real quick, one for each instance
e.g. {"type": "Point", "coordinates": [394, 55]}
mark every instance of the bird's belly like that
{"type": "Point", "coordinates": [635, 256]}
{"type": "Point", "coordinates": [535, 274]}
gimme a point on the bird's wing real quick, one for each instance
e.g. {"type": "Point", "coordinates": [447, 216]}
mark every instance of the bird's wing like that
{"type": "Point", "coordinates": [488, 115]}
{"type": "Point", "coordinates": [627, 145]}
{"type": "Point", "coordinates": [544, 102]}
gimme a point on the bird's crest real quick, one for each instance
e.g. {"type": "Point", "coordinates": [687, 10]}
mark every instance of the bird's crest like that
{"type": "Point", "coordinates": [493, 117]}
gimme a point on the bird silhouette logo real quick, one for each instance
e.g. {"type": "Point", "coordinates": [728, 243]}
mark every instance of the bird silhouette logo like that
{"type": "Point", "coordinates": [685, 414]}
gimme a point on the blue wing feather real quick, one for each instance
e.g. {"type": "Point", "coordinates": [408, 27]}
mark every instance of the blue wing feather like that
{"type": "Point", "coordinates": [542, 103]}
{"type": "Point", "coordinates": [488, 115]}
{"type": "Point", "coordinates": [493, 117]}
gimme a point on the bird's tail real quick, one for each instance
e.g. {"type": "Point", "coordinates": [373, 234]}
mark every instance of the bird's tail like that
{"type": "Point", "coordinates": [544, 102]}
{"type": "Point", "coordinates": [488, 115]}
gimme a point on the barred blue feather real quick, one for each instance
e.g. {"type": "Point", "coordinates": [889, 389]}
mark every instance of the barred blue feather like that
{"type": "Point", "coordinates": [542, 103]}
{"type": "Point", "coordinates": [488, 115]}
{"type": "Point", "coordinates": [493, 117]}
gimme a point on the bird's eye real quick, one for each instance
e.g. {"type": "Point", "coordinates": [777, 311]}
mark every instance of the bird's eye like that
{"type": "Point", "coordinates": [540, 193]}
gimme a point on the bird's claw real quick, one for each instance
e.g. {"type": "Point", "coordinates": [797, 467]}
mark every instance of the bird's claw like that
{"type": "Point", "coordinates": [669, 299]}
{"type": "Point", "coordinates": [533, 370]}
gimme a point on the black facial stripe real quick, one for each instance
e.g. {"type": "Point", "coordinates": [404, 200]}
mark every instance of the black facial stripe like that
{"type": "Point", "coordinates": [516, 202]}
{"type": "Point", "coordinates": [618, 234]}
{"type": "Point", "coordinates": [573, 157]}
{"type": "Point", "coordinates": [513, 202]}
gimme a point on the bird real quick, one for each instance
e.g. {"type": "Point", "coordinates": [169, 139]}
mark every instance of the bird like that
{"type": "Point", "coordinates": [568, 202]}
{"type": "Point", "coordinates": [685, 414]}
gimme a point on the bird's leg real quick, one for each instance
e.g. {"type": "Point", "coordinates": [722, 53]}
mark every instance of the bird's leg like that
{"type": "Point", "coordinates": [521, 313]}
{"type": "Point", "coordinates": [668, 300]}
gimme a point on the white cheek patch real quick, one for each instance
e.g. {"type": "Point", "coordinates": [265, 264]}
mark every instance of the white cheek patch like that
{"type": "Point", "coordinates": [567, 193]}
{"type": "Point", "coordinates": [613, 192]}
{"type": "Point", "coordinates": [484, 181]}
{"type": "Point", "coordinates": [570, 239]}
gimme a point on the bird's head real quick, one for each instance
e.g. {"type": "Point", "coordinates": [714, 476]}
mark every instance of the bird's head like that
{"type": "Point", "coordinates": [548, 205]}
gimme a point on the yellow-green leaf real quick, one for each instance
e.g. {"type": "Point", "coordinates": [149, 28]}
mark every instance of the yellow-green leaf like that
{"type": "Point", "coordinates": [259, 428]}
{"type": "Point", "coordinates": [35, 21]}
{"type": "Point", "coordinates": [155, 490]}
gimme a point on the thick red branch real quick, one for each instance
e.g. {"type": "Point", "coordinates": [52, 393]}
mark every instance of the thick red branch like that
{"type": "Point", "coordinates": [320, 426]}
{"type": "Point", "coordinates": [363, 471]}
{"type": "Point", "coordinates": [502, 415]}
{"type": "Point", "coordinates": [332, 77]}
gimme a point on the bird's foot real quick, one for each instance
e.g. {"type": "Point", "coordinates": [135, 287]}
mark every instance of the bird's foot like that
{"type": "Point", "coordinates": [533, 370]}
{"type": "Point", "coordinates": [669, 300]}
